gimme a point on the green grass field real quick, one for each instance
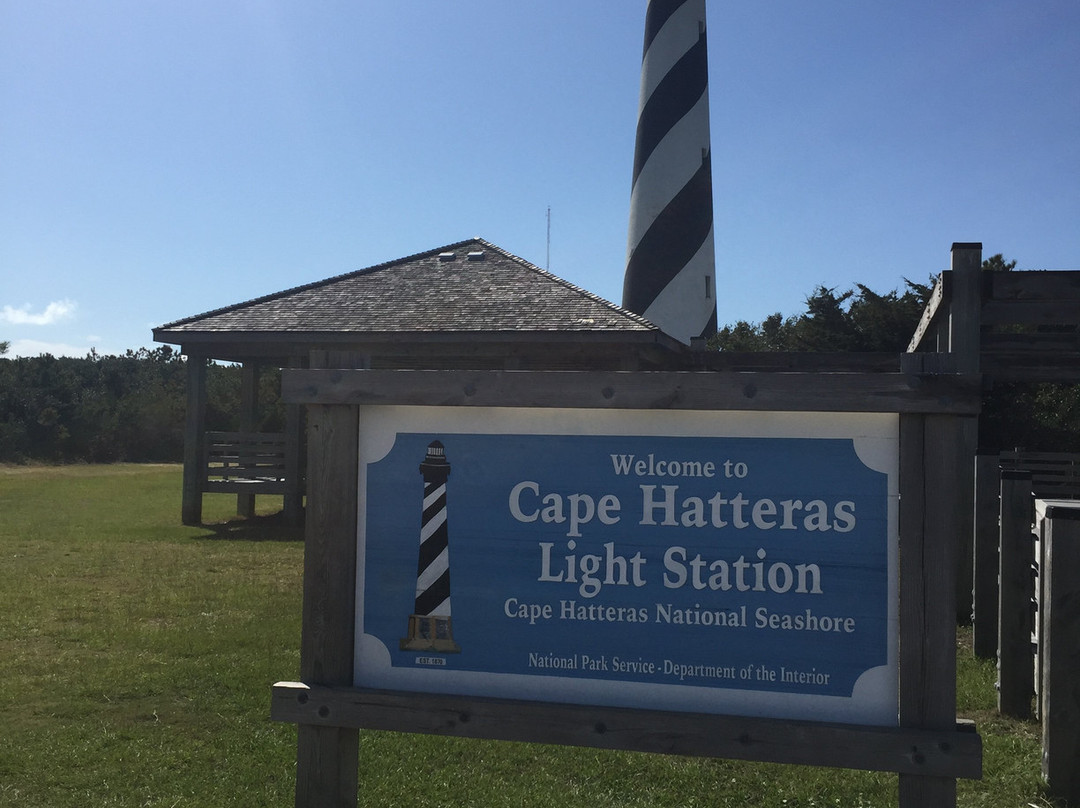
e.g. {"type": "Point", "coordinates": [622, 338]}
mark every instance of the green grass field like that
{"type": "Point", "coordinates": [136, 658]}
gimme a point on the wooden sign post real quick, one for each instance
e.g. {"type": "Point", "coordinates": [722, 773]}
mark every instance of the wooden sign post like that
{"type": "Point", "coordinates": [767, 560]}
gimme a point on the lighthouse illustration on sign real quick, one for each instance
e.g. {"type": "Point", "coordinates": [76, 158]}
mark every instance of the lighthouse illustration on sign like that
{"type": "Point", "coordinates": [430, 626]}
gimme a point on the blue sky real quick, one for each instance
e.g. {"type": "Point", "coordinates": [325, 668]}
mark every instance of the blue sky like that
{"type": "Point", "coordinates": [160, 158]}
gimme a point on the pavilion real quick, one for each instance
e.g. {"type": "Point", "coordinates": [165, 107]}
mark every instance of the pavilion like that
{"type": "Point", "coordinates": [467, 305]}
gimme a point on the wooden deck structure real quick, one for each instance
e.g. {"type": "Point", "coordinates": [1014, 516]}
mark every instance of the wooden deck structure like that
{"type": "Point", "coordinates": [1016, 326]}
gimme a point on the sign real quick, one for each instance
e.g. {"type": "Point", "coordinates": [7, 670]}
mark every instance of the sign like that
{"type": "Point", "coordinates": [736, 562]}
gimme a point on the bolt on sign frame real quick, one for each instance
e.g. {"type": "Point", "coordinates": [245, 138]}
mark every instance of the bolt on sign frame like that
{"type": "Point", "coordinates": [680, 449]}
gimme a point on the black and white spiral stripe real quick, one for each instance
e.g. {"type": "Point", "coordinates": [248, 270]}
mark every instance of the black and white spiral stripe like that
{"type": "Point", "coordinates": [670, 271]}
{"type": "Point", "coordinates": [433, 566]}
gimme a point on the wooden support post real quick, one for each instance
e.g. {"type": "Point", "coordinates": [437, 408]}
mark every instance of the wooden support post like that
{"type": "Point", "coordinates": [1016, 664]}
{"type": "Point", "coordinates": [249, 403]}
{"type": "Point", "coordinates": [1059, 650]}
{"type": "Point", "coordinates": [327, 763]}
{"type": "Point", "coordinates": [293, 505]}
{"type": "Point", "coordinates": [930, 459]}
{"type": "Point", "coordinates": [194, 429]}
{"type": "Point", "coordinates": [985, 580]}
{"type": "Point", "coordinates": [965, 325]}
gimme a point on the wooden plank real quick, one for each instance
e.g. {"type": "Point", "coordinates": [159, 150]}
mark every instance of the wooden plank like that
{"type": "Point", "coordinates": [985, 583]}
{"type": "Point", "coordinates": [243, 487]}
{"type": "Point", "coordinates": [1031, 312]}
{"type": "Point", "coordinates": [1019, 368]}
{"type": "Point", "coordinates": [249, 405]}
{"type": "Point", "coordinates": [954, 752]}
{"type": "Point", "coordinates": [773, 392]}
{"type": "Point", "coordinates": [797, 361]}
{"type": "Point", "coordinates": [1029, 344]}
{"type": "Point", "coordinates": [293, 500]}
{"type": "Point", "coordinates": [965, 509]}
{"type": "Point", "coordinates": [194, 425]}
{"type": "Point", "coordinates": [327, 757]}
{"type": "Point", "coordinates": [935, 310]}
{"type": "Point", "coordinates": [929, 467]}
{"type": "Point", "coordinates": [966, 306]}
{"type": "Point", "coordinates": [1037, 285]}
{"type": "Point", "coordinates": [1016, 554]}
{"type": "Point", "coordinates": [330, 547]}
{"type": "Point", "coordinates": [1060, 653]}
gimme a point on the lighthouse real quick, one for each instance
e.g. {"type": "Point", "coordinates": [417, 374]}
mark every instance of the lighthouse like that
{"type": "Point", "coordinates": [670, 265]}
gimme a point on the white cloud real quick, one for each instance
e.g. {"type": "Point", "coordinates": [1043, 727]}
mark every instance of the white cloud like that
{"type": "Point", "coordinates": [33, 347]}
{"type": "Point", "coordinates": [55, 312]}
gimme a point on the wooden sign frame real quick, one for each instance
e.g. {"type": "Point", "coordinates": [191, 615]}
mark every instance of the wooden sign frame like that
{"type": "Point", "coordinates": [929, 749]}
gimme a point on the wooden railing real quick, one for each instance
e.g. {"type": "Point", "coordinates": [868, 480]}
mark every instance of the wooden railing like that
{"type": "Point", "coordinates": [244, 463]}
{"type": "Point", "coordinates": [1053, 475]}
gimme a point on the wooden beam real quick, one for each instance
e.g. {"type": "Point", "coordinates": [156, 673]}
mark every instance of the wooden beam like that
{"type": "Point", "coordinates": [1016, 367]}
{"type": "Point", "coordinates": [249, 405]}
{"type": "Point", "coordinates": [1060, 653]}
{"type": "Point", "coordinates": [1031, 312]}
{"type": "Point", "coordinates": [930, 451]}
{"type": "Point", "coordinates": [936, 308]}
{"type": "Point", "coordinates": [194, 427]}
{"type": "Point", "coordinates": [796, 361]}
{"type": "Point", "coordinates": [293, 501]}
{"type": "Point", "coordinates": [773, 392]}
{"type": "Point", "coordinates": [1035, 285]}
{"type": "Point", "coordinates": [952, 752]}
{"type": "Point", "coordinates": [1016, 555]}
{"type": "Point", "coordinates": [966, 307]}
{"type": "Point", "coordinates": [985, 584]}
{"type": "Point", "coordinates": [328, 757]}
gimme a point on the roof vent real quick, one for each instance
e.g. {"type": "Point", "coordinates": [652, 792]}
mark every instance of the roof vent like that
{"type": "Point", "coordinates": [447, 256]}
{"type": "Point", "coordinates": [476, 255]}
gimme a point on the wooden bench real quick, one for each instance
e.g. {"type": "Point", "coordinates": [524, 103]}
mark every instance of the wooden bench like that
{"type": "Point", "coordinates": [244, 463]}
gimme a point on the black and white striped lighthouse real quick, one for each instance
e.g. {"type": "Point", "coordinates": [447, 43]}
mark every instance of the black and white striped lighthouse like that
{"type": "Point", "coordinates": [670, 264]}
{"type": "Point", "coordinates": [430, 626]}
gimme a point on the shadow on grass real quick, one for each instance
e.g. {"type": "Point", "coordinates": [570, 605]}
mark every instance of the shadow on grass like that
{"type": "Point", "coordinates": [274, 527]}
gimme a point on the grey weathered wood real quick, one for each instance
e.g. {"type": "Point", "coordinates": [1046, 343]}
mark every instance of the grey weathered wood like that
{"type": "Point", "coordinates": [327, 757]}
{"type": "Point", "coordinates": [1059, 650]}
{"type": "Point", "coordinates": [936, 310]}
{"type": "Point", "coordinates": [194, 425]}
{"type": "Point", "coordinates": [249, 404]}
{"type": "Point", "coordinates": [966, 306]}
{"type": "Point", "coordinates": [1054, 475]}
{"type": "Point", "coordinates": [1031, 312]}
{"type": "Point", "coordinates": [1045, 367]}
{"type": "Point", "coordinates": [244, 463]}
{"type": "Point", "coordinates": [985, 579]}
{"type": "Point", "coordinates": [1016, 554]}
{"type": "Point", "coordinates": [796, 361]}
{"type": "Point", "coordinates": [1030, 344]}
{"type": "Point", "coordinates": [930, 461]}
{"type": "Point", "coordinates": [953, 752]}
{"type": "Point", "coordinates": [293, 499]}
{"type": "Point", "coordinates": [773, 392]}
{"type": "Point", "coordinates": [1049, 285]}
{"type": "Point", "coordinates": [968, 428]}
{"type": "Point", "coordinates": [930, 448]}
{"type": "Point", "coordinates": [964, 329]}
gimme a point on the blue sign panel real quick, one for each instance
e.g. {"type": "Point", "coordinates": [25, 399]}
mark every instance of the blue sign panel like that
{"type": "Point", "coordinates": [709, 573]}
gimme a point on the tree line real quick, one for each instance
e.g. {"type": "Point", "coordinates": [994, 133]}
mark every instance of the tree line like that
{"type": "Point", "coordinates": [105, 409]}
{"type": "Point", "coordinates": [101, 409]}
{"type": "Point", "coordinates": [1032, 416]}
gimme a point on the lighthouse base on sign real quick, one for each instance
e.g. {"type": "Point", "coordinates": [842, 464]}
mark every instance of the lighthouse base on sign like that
{"type": "Point", "coordinates": [430, 633]}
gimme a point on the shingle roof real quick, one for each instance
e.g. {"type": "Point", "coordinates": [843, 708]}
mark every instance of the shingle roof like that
{"type": "Point", "coordinates": [471, 286]}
